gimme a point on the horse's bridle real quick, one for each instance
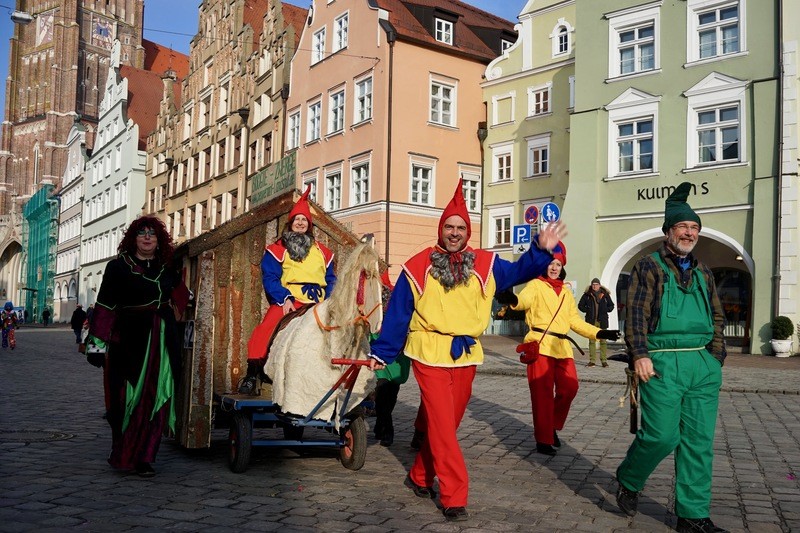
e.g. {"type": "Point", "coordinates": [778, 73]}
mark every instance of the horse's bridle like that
{"type": "Point", "coordinates": [360, 301]}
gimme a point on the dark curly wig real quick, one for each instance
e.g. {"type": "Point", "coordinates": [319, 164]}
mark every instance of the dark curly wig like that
{"type": "Point", "coordinates": [165, 246]}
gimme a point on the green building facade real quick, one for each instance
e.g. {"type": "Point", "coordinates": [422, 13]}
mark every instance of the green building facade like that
{"type": "Point", "coordinates": [528, 94]}
{"type": "Point", "coordinates": [40, 236]}
{"type": "Point", "coordinates": [669, 92]}
{"type": "Point", "coordinates": [643, 95]}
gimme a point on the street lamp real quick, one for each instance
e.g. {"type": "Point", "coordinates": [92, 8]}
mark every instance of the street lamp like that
{"type": "Point", "coordinates": [21, 17]}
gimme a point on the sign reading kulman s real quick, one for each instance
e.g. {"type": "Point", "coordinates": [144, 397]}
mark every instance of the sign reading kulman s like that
{"type": "Point", "coordinates": [276, 179]}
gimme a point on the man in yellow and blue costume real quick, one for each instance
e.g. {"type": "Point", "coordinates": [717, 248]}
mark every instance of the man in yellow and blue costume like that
{"type": "Point", "coordinates": [441, 304]}
{"type": "Point", "coordinates": [295, 270]}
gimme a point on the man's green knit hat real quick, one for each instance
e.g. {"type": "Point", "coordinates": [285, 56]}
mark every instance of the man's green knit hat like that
{"type": "Point", "coordinates": [677, 210]}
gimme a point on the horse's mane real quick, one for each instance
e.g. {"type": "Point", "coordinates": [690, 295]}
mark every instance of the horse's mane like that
{"type": "Point", "coordinates": [341, 306]}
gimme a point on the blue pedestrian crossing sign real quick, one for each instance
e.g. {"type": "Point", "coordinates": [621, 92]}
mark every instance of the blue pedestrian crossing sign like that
{"type": "Point", "coordinates": [550, 213]}
{"type": "Point", "coordinates": [521, 238]}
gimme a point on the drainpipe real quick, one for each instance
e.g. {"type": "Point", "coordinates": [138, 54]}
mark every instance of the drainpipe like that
{"type": "Point", "coordinates": [482, 133]}
{"type": "Point", "coordinates": [391, 37]}
{"type": "Point", "coordinates": [284, 99]}
{"type": "Point", "coordinates": [776, 277]}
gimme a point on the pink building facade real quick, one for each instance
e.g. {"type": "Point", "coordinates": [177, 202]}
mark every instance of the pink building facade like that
{"type": "Point", "coordinates": [384, 112]}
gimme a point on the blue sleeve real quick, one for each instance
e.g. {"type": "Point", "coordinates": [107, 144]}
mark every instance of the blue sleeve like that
{"type": "Point", "coordinates": [271, 272]}
{"type": "Point", "coordinates": [531, 265]}
{"type": "Point", "coordinates": [330, 280]}
{"type": "Point", "coordinates": [394, 330]}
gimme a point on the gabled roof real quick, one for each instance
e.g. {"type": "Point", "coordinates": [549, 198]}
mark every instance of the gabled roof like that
{"type": "Point", "coordinates": [145, 90]}
{"type": "Point", "coordinates": [159, 59]}
{"type": "Point", "coordinates": [255, 10]}
{"type": "Point", "coordinates": [296, 17]}
{"type": "Point", "coordinates": [471, 22]}
{"type": "Point", "coordinates": [253, 15]}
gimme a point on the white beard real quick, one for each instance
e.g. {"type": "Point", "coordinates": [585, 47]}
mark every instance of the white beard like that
{"type": "Point", "coordinates": [442, 270]}
{"type": "Point", "coordinates": [297, 244]}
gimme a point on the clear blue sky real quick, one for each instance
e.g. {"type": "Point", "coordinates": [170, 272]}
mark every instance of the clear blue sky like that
{"type": "Point", "coordinates": [174, 26]}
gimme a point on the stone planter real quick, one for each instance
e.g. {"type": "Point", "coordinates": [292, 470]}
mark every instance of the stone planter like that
{"type": "Point", "coordinates": [781, 347]}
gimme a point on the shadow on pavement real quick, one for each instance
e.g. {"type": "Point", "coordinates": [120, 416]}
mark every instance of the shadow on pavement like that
{"type": "Point", "coordinates": [583, 477]}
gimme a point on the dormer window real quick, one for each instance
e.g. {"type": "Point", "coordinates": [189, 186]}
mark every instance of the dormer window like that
{"type": "Point", "coordinates": [561, 38]}
{"type": "Point", "coordinates": [444, 31]}
{"type": "Point", "coordinates": [505, 45]}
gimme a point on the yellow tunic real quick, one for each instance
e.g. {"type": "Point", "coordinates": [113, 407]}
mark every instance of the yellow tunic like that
{"type": "Point", "coordinates": [309, 270]}
{"type": "Point", "coordinates": [540, 301]}
{"type": "Point", "coordinates": [439, 316]}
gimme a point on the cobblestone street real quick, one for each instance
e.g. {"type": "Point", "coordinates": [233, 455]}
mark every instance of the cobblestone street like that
{"type": "Point", "coordinates": [53, 473]}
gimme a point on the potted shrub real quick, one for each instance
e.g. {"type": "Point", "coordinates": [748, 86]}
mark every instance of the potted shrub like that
{"type": "Point", "coordinates": [782, 330]}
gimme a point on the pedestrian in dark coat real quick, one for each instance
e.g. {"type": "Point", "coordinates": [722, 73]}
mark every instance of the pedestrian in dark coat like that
{"type": "Point", "coordinates": [134, 336]}
{"type": "Point", "coordinates": [596, 302]}
{"type": "Point", "coordinates": [76, 322]}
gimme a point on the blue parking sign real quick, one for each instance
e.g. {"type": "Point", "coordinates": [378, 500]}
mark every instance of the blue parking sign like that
{"type": "Point", "coordinates": [521, 234]}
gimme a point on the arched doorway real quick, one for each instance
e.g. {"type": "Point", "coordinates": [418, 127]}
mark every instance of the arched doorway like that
{"type": "Point", "coordinates": [728, 260]}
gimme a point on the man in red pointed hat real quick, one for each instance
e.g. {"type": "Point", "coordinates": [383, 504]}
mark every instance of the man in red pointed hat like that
{"type": "Point", "coordinates": [295, 270]}
{"type": "Point", "coordinates": [440, 306]}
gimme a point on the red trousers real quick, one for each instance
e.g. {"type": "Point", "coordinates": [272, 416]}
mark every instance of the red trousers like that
{"type": "Point", "coordinates": [259, 339]}
{"type": "Point", "coordinates": [553, 384]}
{"type": "Point", "coordinates": [445, 393]}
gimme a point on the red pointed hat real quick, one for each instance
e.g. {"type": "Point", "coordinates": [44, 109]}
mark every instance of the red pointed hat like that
{"type": "Point", "coordinates": [561, 255]}
{"type": "Point", "coordinates": [457, 206]}
{"type": "Point", "coordinates": [302, 207]}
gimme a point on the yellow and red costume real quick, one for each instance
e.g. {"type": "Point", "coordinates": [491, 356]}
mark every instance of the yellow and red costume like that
{"type": "Point", "coordinates": [552, 378]}
{"type": "Point", "coordinates": [309, 280]}
{"type": "Point", "coordinates": [438, 330]}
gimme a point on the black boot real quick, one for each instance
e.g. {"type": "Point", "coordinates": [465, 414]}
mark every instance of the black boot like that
{"type": "Point", "coordinates": [387, 438]}
{"type": "Point", "coordinates": [249, 385]}
{"type": "Point", "coordinates": [418, 439]}
{"type": "Point", "coordinates": [385, 400]}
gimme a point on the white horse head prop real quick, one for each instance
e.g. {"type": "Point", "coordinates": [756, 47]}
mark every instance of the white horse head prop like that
{"type": "Point", "coordinates": [299, 362]}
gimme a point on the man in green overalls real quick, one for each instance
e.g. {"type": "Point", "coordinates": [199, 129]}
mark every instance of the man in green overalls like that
{"type": "Point", "coordinates": [674, 338]}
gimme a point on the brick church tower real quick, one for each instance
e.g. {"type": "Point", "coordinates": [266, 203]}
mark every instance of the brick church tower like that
{"type": "Point", "coordinates": [57, 71]}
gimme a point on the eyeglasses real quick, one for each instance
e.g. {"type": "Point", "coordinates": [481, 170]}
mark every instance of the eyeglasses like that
{"type": "Point", "coordinates": [149, 232]}
{"type": "Point", "coordinates": [694, 228]}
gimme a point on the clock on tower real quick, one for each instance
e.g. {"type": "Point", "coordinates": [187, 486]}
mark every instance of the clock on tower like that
{"type": "Point", "coordinates": [101, 33]}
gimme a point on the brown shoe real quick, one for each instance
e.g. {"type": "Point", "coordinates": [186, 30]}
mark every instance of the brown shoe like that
{"type": "Point", "coordinates": [605, 365]}
{"type": "Point", "coordinates": [591, 364]}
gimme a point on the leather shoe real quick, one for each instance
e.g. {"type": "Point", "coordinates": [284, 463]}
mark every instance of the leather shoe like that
{"type": "Point", "coordinates": [546, 449]}
{"type": "Point", "coordinates": [556, 440]}
{"type": "Point", "coordinates": [605, 365]}
{"type": "Point", "coordinates": [698, 525]}
{"type": "Point", "coordinates": [419, 490]}
{"type": "Point", "coordinates": [591, 364]}
{"type": "Point", "coordinates": [627, 500]}
{"type": "Point", "coordinates": [455, 514]}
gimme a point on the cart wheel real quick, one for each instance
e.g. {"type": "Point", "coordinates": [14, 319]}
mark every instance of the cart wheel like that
{"type": "Point", "coordinates": [353, 452]}
{"type": "Point", "coordinates": [239, 442]}
{"type": "Point", "coordinates": [292, 432]}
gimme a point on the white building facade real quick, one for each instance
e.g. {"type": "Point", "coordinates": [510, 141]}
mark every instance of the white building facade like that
{"type": "Point", "coordinates": [68, 249]}
{"type": "Point", "coordinates": [114, 182]}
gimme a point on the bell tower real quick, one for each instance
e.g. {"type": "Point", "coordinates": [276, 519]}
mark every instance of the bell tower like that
{"type": "Point", "coordinates": [59, 61]}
